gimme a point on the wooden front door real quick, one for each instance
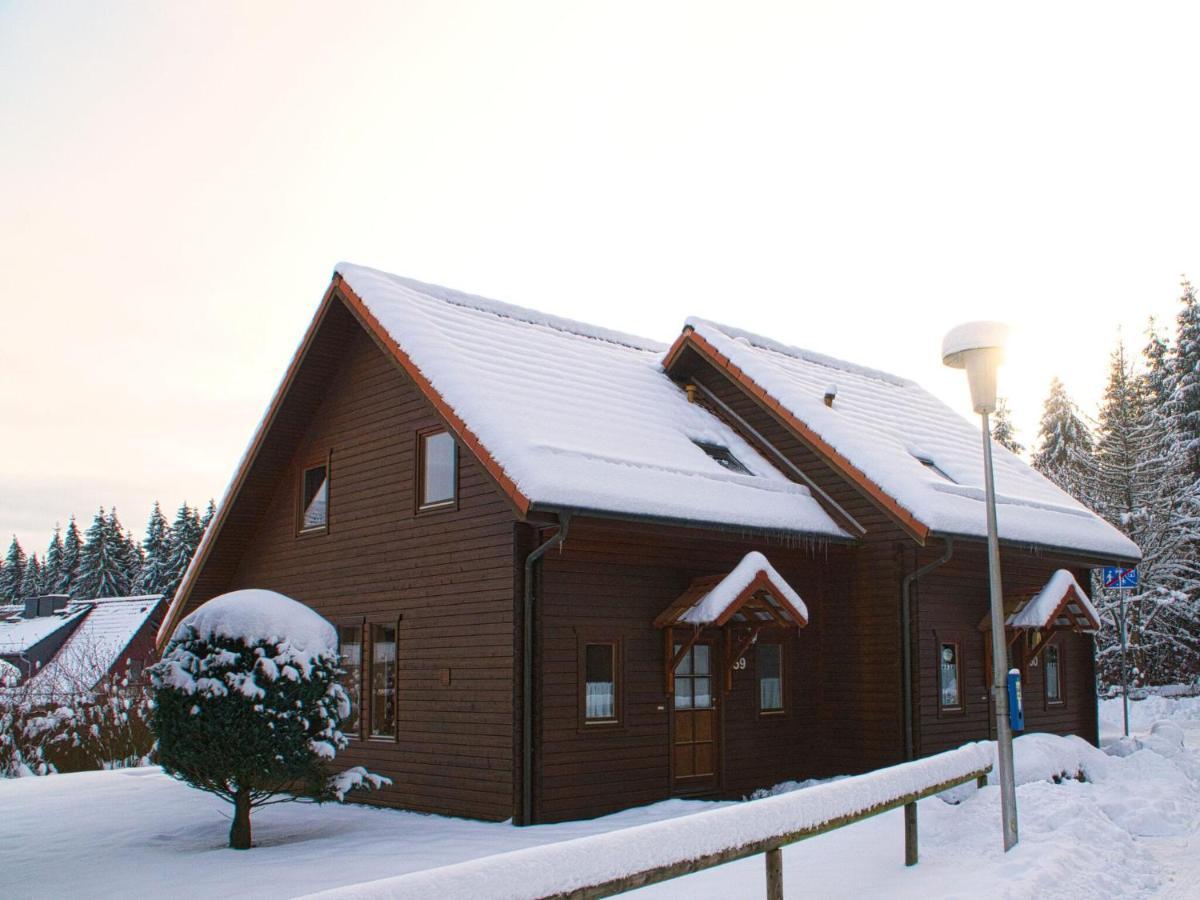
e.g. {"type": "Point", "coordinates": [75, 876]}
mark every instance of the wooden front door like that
{"type": "Point", "coordinates": [694, 721]}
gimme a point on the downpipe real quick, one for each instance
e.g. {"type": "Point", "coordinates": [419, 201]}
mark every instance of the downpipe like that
{"type": "Point", "coordinates": [527, 657]}
{"type": "Point", "coordinates": [906, 631]}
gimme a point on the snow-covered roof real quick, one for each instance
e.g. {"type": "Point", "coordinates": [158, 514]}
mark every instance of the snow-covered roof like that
{"type": "Point", "coordinates": [914, 448]}
{"type": "Point", "coordinates": [579, 417]}
{"type": "Point", "coordinates": [1061, 602]}
{"type": "Point", "coordinates": [717, 599]}
{"type": "Point", "coordinates": [18, 634]}
{"type": "Point", "coordinates": [95, 647]}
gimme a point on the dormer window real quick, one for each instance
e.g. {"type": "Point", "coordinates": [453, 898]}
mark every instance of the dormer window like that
{"type": "Point", "coordinates": [934, 467]}
{"type": "Point", "coordinates": [723, 458]}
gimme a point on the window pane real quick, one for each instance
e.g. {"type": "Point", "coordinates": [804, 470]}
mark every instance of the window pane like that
{"type": "Point", "coordinates": [683, 693]}
{"type": "Point", "coordinates": [949, 675]}
{"type": "Point", "coordinates": [383, 680]}
{"type": "Point", "coordinates": [703, 694]}
{"type": "Point", "coordinates": [316, 498]}
{"type": "Point", "coordinates": [685, 664]}
{"type": "Point", "coordinates": [350, 641]}
{"type": "Point", "coordinates": [600, 687]}
{"type": "Point", "coordinates": [1053, 682]}
{"type": "Point", "coordinates": [770, 680]}
{"type": "Point", "coordinates": [700, 652]}
{"type": "Point", "coordinates": [440, 464]}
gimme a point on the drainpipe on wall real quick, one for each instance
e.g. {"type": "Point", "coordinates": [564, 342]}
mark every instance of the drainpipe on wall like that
{"type": "Point", "coordinates": [906, 634]}
{"type": "Point", "coordinates": [527, 657]}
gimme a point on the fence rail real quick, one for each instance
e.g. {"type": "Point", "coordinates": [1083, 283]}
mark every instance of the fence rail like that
{"type": "Point", "coordinates": [601, 865]}
{"type": "Point", "coordinates": [773, 847]}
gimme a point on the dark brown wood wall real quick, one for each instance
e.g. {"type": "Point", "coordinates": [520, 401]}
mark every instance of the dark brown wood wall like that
{"type": "Point", "coordinates": [860, 632]}
{"type": "Point", "coordinates": [950, 603]}
{"type": "Point", "coordinates": [608, 583]}
{"type": "Point", "coordinates": [447, 573]}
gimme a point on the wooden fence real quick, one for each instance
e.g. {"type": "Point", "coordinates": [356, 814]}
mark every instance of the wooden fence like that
{"type": "Point", "coordinates": [601, 865]}
{"type": "Point", "coordinates": [772, 847]}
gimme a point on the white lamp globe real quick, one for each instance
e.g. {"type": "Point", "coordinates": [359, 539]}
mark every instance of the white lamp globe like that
{"type": "Point", "coordinates": [977, 347]}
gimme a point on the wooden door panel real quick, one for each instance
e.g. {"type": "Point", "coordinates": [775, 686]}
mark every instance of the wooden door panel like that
{"type": "Point", "coordinates": [694, 729]}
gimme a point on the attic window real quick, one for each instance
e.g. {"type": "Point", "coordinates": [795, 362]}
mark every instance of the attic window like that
{"type": "Point", "coordinates": [934, 467]}
{"type": "Point", "coordinates": [722, 457]}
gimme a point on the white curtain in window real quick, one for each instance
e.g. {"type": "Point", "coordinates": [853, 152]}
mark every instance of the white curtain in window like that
{"type": "Point", "coordinates": [601, 704]}
{"type": "Point", "coordinates": [770, 693]}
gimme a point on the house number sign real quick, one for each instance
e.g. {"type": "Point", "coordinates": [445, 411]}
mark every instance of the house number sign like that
{"type": "Point", "coordinates": [740, 664]}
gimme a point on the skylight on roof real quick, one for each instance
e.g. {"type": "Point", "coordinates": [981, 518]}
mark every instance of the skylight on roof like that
{"type": "Point", "coordinates": [723, 457]}
{"type": "Point", "coordinates": [933, 467]}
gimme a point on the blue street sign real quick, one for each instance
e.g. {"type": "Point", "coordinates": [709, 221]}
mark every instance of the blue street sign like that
{"type": "Point", "coordinates": [1120, 578]}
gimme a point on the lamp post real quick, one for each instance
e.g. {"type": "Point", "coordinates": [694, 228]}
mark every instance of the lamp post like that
{"type": "Point", "coordinates": [978, 347]}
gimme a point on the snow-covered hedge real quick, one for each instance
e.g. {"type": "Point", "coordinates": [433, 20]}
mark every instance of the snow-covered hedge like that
{"type": "Point", "coordinates": [570, 865]}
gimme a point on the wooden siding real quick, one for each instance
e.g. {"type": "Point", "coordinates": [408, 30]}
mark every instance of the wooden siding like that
{"type": "Point", "coordinates": [950, 603]}
{"type": "Point", "coordinates": [608, 583]}
{"type": "Point", "coordinates": [446, 574]}
{"type": "Point", "coordinates": [860, 633]}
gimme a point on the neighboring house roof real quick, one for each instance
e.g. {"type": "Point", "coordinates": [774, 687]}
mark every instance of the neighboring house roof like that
{"type": "Point", "coordinates": [911, 446]}
{"type": "Point", "coordinates": [579, 417]}
{"type": "Point", "coordinates": [103, 630]}
{"type": "Point", "coordinates": [18, 634]}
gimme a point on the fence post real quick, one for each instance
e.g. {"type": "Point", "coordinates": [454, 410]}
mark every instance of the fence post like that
{"type": "Point", "coordinates": [981, 781]}
{"type": "Point", "coordinates": [910, 834]}
{"type": "Point", "coordinates": [774, 874]}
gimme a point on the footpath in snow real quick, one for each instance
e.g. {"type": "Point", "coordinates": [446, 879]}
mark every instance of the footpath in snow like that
{"type": "Point", "coordinates": [1132, 829]}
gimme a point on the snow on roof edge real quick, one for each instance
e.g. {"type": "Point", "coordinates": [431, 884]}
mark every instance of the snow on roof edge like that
{"type": "Point", "coordinates": [504, 309]}
{"type": "Point", "coordinates": [821, 359]}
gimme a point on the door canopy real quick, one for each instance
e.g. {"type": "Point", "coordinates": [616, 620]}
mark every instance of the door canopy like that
{"type": "Point", "coordinates": [752, 594]}
{"type": "Point", "coordinates": [1061, 604]}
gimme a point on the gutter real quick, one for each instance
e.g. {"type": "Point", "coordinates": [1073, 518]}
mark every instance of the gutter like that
{"type": "Point", "coordinates": [906, 634]}
{"type": "Point", "coordinates": [527, 657]}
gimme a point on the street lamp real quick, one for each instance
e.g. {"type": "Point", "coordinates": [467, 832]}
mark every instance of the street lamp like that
{"type": "Point", "coordinates": [978, 347]}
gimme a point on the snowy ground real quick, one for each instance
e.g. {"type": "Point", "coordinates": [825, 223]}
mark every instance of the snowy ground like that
{"type": "Point", "coordinates": [1132, 830]}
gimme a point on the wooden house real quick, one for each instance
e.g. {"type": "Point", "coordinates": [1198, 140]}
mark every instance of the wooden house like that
{"type": "Point", "coordinates": [574, 570]}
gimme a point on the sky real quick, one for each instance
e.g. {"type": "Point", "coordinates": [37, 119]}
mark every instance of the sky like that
{"type": "Point", "coordinates": [178, 180]}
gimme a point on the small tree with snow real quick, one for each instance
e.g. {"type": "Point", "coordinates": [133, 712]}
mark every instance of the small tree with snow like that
{"type": "Point", "coordinates": [247, 705]}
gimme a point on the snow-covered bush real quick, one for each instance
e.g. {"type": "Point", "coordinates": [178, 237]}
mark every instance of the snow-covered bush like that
{"type": "Point", "coordinates": [247, 705]}
{"type": "Point", "coordinates": [64, 720]}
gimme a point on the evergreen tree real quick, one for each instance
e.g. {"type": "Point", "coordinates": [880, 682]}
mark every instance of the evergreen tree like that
{"type": "Point", "coordinates": [103, 565]}
{"type": "Point", "coordinates": [1064, 454]}
{"type": "Point", "coordinates": [68, 579]}
{"type": "Point", "coordinates": [184, 537]}
{"type": "Point", "coordinates": [1122, 449]}
{"type": "Point", "coordinates": [34, 584]}
{"type": "Point", "coordinates": [155, 548]}
{"type": "Point", "coordinates": [1003, 432]}
{"type": "Point", "coordinates": [1146, 488]}
{"type": "Point", "coordinates": [52, 568]}
{"type": "Point", "coordinates": [13, 576]}
{"type": "Point", "coordinates": [129, 552]}
{"type": "Point", "coordinates": [206, 520]}
{"type": "Point", "coordinates": [1185, 376]}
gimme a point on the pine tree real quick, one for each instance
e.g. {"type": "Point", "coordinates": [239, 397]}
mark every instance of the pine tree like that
{"type": "Point", "coordinates": [103, 563]}
{"type": "Point", "coordinates": [14, 572]}
{"type": "Point", "coordinates": [155, 549]}
{"type": "Point", "coordinates": [184, 537]}
{"type": "Point", "coordinates": [129, 552]}
{"type": "Point", "coordinates": [206, 520]}
{"type": "Point", "coordinates": [1003, 431]}
{"type": "Point", "coordinates": [34, 584]}
{"type": "Point", "coordinates": [1064, 454]}
{"type": "Point", "coordinates": [68, 579]}
{"type": "Point", "coordinates": [1122, 450]}
{"type": "Point", "coordinates": [52, 569]}
{"type": "Point", "coordinates": [1184, 383]}
{"type": "Point", "coordinates": [1146, 488]}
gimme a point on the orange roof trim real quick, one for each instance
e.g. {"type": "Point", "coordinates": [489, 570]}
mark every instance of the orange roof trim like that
{"type": "Point", "coordinates": [690, 340]}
